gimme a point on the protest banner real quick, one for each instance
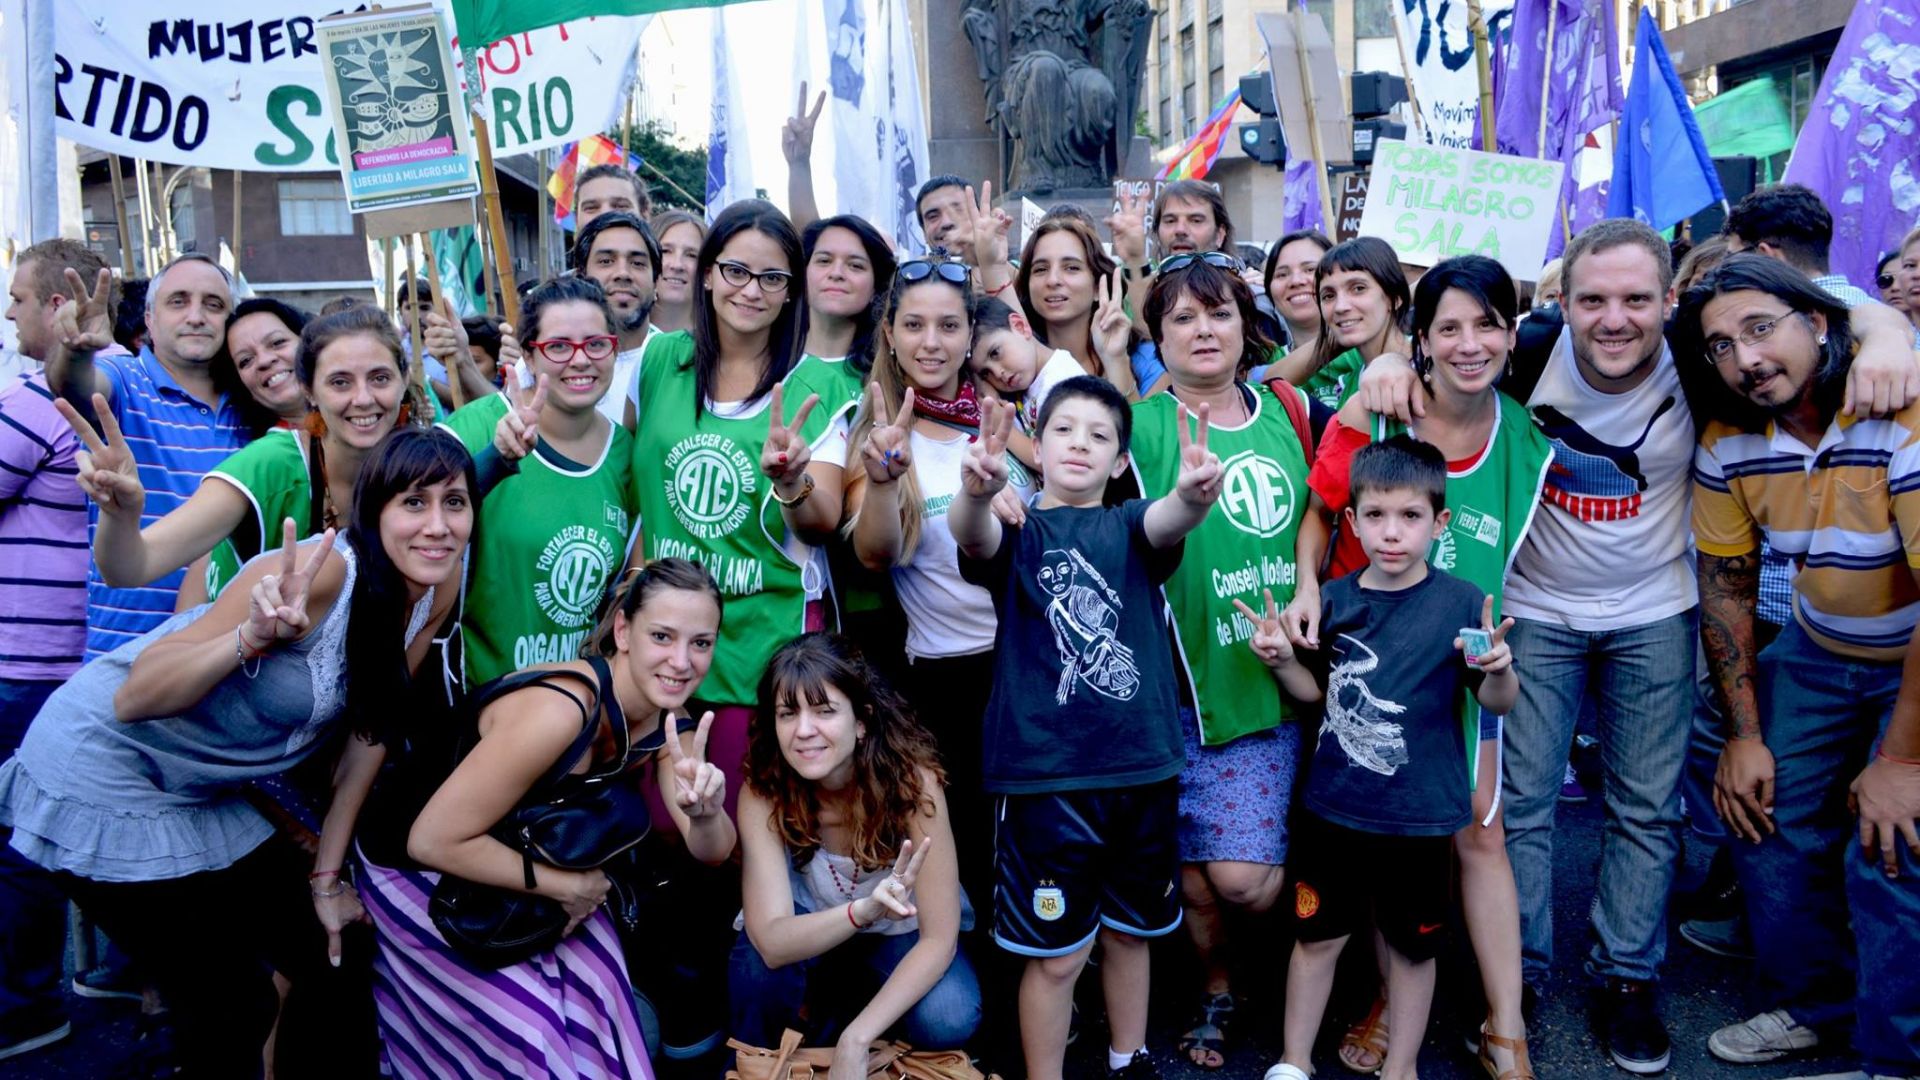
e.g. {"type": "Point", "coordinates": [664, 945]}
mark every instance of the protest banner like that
{"type": "Point", "coordinates": [1434, 202]}
{"type": "Point", "coordinates": [237, 84]}
{"type": "Point", "coordinates": [1440, 46]}
{"type": "Point", "coordinates": [1352, 194]}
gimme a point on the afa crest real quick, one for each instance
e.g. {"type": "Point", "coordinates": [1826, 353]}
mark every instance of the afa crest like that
{"type": "Point", "coordinates": [1049, 904]}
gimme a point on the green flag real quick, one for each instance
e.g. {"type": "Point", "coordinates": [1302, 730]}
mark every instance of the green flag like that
{"type": "Point", "coordinates": [485, 21]}
{"type": "Point", "coordinates": [1749, 120]}
{"type": "Point", "coordinates": [457, 251]}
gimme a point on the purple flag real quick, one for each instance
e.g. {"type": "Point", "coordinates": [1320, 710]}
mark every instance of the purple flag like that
{"type": "Point", "coordinates": [1593, 99]}
{"type": "Point", "coordinates": [1861, 140]}
{"type": "Point", "coordinates": [1301, 209]}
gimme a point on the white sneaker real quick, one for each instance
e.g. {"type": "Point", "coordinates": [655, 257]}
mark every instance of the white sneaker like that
{"type": "Point", "coordinates": [1769, 1036]}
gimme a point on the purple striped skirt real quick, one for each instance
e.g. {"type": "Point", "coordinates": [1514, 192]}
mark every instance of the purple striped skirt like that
{"type": "Point", "coordinates": [568, 1013]}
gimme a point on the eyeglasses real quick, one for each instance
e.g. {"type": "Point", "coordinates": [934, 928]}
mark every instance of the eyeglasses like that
{"type": "Point", "coordinates": [738, 274]}
{"type": "Point", "coordinates": [562, 350]}
{"type": "Point", "coordinates": [1219, 259]}
{"type": "Point", "coordinates": [1721, 348]}
{"type": "Point", "coordinates": [921, 269]}
{"type": "Point", "coordinates": [1885, 281]}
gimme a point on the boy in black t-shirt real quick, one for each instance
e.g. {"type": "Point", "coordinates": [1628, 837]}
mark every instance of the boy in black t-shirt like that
{"type": "Point", "coordinates": [1082, 743]}
{"type": "Point", "coordinates": [1391, 775]}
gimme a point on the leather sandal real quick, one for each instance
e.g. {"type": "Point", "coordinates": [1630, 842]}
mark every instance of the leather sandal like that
{"type": "Point", "coordinates": [1522, 1067]}
{"type": "Point", "coordinates": [1368, 1036]}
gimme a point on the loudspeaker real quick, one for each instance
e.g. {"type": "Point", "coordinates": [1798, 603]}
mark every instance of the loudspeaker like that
{"type": "Point", "coordinates": [1738, 177]}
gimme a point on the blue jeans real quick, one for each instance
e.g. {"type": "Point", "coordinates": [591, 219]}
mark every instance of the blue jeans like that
{"type": "Point", "coordinates": [1821, 715]}
{"type": "Point", "coordinates": [33, 910]}
{"type": "Point", "coordinates": [1642, 682]}
{"type": "Point", "coordinates": [766, 1001]}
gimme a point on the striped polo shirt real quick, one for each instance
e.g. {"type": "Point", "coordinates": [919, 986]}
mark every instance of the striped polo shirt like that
{"type": "Point", "coordinates": [175, 439]}
{"type": "Point", "coordinates": [43, 538]}
{"type": "Point", "coordinates": [1847, 511]}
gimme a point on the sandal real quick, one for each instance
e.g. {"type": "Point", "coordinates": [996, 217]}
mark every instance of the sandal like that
{"type": "Point", "coordinates": [1369, 1036]}
{"type": "Point", "coordinates": [1522, 1068]}
{"type": "Point", "coordinates": [1209, 1034]}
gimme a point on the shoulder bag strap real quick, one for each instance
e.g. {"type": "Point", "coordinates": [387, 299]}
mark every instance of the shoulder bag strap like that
{"type": "Point", "coordinates": [1289, 396]}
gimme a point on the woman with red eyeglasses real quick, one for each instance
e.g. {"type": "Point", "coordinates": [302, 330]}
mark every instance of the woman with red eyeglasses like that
{"type": "Point", "coordinates": [553, 531]}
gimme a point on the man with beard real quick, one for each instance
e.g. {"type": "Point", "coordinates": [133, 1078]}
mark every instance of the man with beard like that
{"type": "Point", "coordinates": [618, 252]}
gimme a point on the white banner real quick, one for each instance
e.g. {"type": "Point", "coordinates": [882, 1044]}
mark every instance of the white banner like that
{"type": "Point", "coordinates": [1440, 46]}
{"type": "Point", "coordinates": [237, 85]}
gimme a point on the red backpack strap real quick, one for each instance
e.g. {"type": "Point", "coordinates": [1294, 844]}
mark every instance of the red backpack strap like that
{"type": "Point", "coordinates": [1290, 400]}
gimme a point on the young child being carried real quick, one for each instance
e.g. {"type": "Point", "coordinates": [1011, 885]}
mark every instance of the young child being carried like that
{"type": "Point", "coordinates": [1082, 744]}
{"type": "Point", "coordinates": [1393, 783]}
{"type": "Point", "coordinates": [1017, 368]}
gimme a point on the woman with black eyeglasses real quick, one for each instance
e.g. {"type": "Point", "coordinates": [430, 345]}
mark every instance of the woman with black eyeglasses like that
{"type": "Point", "coordinates": [737, 456]}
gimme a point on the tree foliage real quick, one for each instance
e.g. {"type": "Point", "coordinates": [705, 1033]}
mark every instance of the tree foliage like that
{"type": "Point", "coordinates": [685, 168]}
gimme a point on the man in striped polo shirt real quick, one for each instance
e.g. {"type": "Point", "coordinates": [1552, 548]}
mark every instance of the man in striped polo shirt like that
{"type": "Point", "coordinates": [177, 423]}
{"type": "Point", "coordinates": [1823, 717]}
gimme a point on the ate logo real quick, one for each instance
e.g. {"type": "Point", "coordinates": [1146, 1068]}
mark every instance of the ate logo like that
{"type": "Point", "coordinates": [576, 562]}
{"type": "Point", "coordinates": [1257, 494]}
{"type": "Point", "coordinates": [710, 485]}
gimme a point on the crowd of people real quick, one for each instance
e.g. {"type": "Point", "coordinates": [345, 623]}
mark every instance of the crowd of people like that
{"type": "Point", "coordinates": [793, 633]}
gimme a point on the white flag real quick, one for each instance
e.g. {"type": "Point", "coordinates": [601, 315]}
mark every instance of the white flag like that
{"type": "Point", "coordinates": [729, 167]}
{"type": "Point", "coordinates": [907, 163]}
{"type": "Point", "coordinates": [859, 133]}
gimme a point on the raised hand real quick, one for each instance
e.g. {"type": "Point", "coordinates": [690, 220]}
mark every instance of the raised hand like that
{"type": "Point", "coordinates": [278, 612]}
{"type": "Point", "coordinates": [889, 450]}
{"type": "Point", "coordinates": [785, 456]}
{"type": "Point", "coordinates": [893, 897]}
{"type": "Point", "coordinates": [1111, 323]}
{"type": "Point", "coordinates": [107, 471]}
{"type": "Point", "coordinates": [699, 787]}
{"type": "Point", "coordinates": [511, 352]}
{"type": "Point", "coordinates": [796, 137]}
{"type": "Point", "coordinates": [442, 334]}
{"type": "Point", "coordinates": [984, 472]}
{"type": "Point", "coordinates": [519, 428]}
{"type": "Point", "coordinates": [985, 236]}
{"type": "Point", "coordinates": [1270, 641]}
{"type": "Point", "coordinates": [1200, 472]}
{"type": "Point", "coordinates": [1129, 228]}
{"type": "Point", "coordinates": [85, 323]}
{"type": "Point", "coordinates": [1499, 655]}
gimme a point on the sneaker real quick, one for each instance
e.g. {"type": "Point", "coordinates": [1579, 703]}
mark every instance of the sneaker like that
{"type": "Point", "coordinates": [1721, 937]}
{"type": "Point", "coordinates": [18, 1038]}
{"type": "Point", "coordinates": [1630, 1027]}
{"type": "Point", "coordinates": [1142, 1067]}
{"type": "Point", "coordinates": [1769, 1036]}
{"type": "Point", "coordinates": [1571, 789]}
{"type": "Point", "coordinates": [105, 983]}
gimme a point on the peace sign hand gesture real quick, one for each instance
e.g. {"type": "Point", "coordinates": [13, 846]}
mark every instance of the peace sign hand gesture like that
{"type": "Point", "coordinates": [1499, 656]}
{"type": "Point", "coordinates": [699, 788]}
{"type": "Point", "coordinates": [984, 472]}
{"type": "Point", "coordinates": [1200, 472]}
{"type": "Point", "coordinates": [785, 456]}
{"type": "Point", "coordinates": [796, 138]}
{"type": "Point", "coordinates": [1111, 323]}
{"type": "Point", "coordinates": [984, 239]}
{"type": "Point", "coordinates": [889, 450]}
{"type": "Point", "coordinates": [85, 323]}
{"type": "Point", "coordinates": [278, 612]}
{"type": "Point", "coordinates": [893, 897]}
{"type": "Point", "coordinates": [519, 427]}
{"type": "Point", "coordinates": [107, 471]}
{"type": "Point", "coordinates": [1270, 641]}
{"type": "Point", "coordinates": [1129, 228]}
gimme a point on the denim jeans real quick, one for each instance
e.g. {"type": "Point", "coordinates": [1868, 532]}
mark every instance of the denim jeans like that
{"type": "Point", "coordinates": [1821, 715]}
{"type": "Point", "coordinates": [1704, 743]}
{"type": "Point", "coordinates": [832, 989]}
{"type": "Point", "coordinates": [33, 910]}
{"type": "Point", "coordinates": [1642, 682]}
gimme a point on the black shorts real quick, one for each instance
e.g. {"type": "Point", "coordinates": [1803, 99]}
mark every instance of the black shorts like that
{"type": "Point", "coordinates": [1342, 876]}
{"type": "Point", "coordinates": [1068, 863]}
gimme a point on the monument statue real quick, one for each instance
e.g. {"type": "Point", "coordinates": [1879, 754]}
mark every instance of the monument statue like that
{"type": "Point", "coordinates": [1062, 81]}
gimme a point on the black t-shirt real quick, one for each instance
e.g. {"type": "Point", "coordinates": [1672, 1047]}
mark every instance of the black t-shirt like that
{"type": "Point", "coordinates": [1392, 754]}
{"type": "Point", "coordinates": [1083, 689]}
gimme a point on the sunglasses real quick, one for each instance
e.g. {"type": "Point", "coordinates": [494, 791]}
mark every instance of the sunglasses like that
{"type": "Point", "coordinates": [1219, 259]}
{"type": "Point", "coordinates": [921, 269]}
{"type": "Point", "coordinates": [1885, 281]}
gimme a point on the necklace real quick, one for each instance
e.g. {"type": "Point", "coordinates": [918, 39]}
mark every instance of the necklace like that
{"type": "Point", "coordinates": [847, 888]}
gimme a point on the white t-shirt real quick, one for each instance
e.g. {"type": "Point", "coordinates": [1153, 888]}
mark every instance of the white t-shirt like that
{"type": "Point", "coordinates": [626, 375]}
{"type": "Point", "coordinates": [946, 616]}
{"type": "Point", "coordinates": [1059, 367]}
{"type": "Point", "coordinates": [1610, 546]}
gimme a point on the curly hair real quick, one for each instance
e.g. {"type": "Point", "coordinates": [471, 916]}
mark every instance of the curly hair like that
{"type": "Point", "coordinates": [889, 762]}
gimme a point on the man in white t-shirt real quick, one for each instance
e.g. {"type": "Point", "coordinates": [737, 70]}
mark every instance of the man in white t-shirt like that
{"type": "Point", "coordinates": [618, 251]}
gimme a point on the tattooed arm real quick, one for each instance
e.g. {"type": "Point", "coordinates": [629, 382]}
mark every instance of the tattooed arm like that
{"type": "Point", "coordinates": [1743, 784]}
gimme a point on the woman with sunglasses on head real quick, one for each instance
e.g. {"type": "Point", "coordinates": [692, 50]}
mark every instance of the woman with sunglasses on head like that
{"type": "Point", "coordinates": [737, 463]}
{"type": "Point", "coordinates": [1063, 270]}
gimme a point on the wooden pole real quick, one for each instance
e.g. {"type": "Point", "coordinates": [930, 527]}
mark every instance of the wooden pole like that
{"type": "Point", "coordinates": [237, 177]}
{"type": "Point", "coordinates": [1546, 76]}
{"type": "Point", "coordinates": [543, 207]}
{"type": "Point", "coordinates": [1481, 66]}
{"type": "Point", "coordinates": [488, 283]}
{"type": "Point", "coordinates": [1406, 65]}
{"type": "Point", "coordinates": [1313, 117]}
{"type": "Point", "coordinates": [700, 204]}
{"type": "Point", "coordinates": [446, 304]}
{"type": "Point", "coordinates": [120, 216]}
{"type": "Point", "coordinates": [413, 318]}
{"type": "Point", "coordinates": [145, 211]}
{"type": "Point", "coordinates": [497, 225]}
{"type": "Point", "coordinates": [393, 287]}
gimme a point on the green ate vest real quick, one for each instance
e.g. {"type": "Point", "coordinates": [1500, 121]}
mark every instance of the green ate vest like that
{"type": "Point", "coordinates": [1244, 547]}
{"type": "Point", "coordinates": [1339, 380]}
{"type": "Point", "coordinates": [703, 497]}
{"type": "Point", "coordinates": [1493, 505]}
{"type": "Point", "coordinates": [549, 540]}
{"type": "Point", "coordinates": [271, 472]}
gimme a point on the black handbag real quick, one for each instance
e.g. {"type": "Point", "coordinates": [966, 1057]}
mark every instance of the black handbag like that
{"type": "Point", "coordinates": [567, 820]}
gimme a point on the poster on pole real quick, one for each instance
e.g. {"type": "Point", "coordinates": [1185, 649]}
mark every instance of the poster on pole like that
{"type": "Point", "coordinates": [1435, 202]}
{"type": "Point", "coordinates": [1439, 44]}
{"type": "Point", "coordinates": [396, 109]}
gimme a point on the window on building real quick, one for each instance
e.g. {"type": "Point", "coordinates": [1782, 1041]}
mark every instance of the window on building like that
{"type": "Point", "coordinates": [1216, 63]}
{"type": "Point", "coordinates": [1186, 13]}
{"type": "Point", "coordinates": [180, 218]}
{"type": "Point", "coordinates": [315, 207]}
{"type": "Point", "coordinates": [1189, 90]}
{"type": "Point", "coordinates": [1163, 67]}
{"type": "Point", "coordinates": [1213, 9]}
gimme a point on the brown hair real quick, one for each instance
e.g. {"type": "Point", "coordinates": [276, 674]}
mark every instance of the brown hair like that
{"type": "Point", "coordinates": [631, 591]}
{"type": "Point", "coordinates": [1197, 191]}
{"type": "Point", "coordinates": [1612, 233]}
{"type": "Point", "coordinates": [50, 261]}
{"type": "Point", "coordinates": [1210, 287]}
{"type": "Point", "coordinates": [1098, 264]}
{"type": "Point", "coordinates": [1701, 261]}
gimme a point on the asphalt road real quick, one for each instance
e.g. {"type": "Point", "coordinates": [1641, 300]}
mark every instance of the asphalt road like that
{"type": "Point", "coordinates": [1701, 992]}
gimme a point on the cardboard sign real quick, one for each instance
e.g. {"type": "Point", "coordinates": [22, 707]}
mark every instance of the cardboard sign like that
{"type": "Point", "coordinates": [1031, 214]}
{"type": "Point", "coordinates": [1435, 202]}
{"type": "Point", "coordinates": [1351, 195]}
{"type": "Point", "coordinates": [397, 112]}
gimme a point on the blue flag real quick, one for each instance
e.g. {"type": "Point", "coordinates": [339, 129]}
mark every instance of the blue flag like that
{"type": "Point", "coordinates": [1662, 171]}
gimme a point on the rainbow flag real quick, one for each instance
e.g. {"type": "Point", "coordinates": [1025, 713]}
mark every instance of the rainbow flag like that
{"type": "Point", "coordinates": [574, 158]}
{"type": "Point", "coordinates": [1197, 156]}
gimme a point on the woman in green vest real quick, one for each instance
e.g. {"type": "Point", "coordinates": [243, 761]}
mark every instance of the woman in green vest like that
{"type": "Point", "coordinates": [1464, 314]}
{"type": "Point", "coordinates": [736, 463]}
{"type": "Point", "coordinates": [1241, 746]}
{"type": "Point", "coordinates": [1364, 299]}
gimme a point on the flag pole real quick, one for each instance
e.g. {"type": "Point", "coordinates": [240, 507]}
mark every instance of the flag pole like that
{"type": "Point", "coordinates": [237, 177]}
{"type": "Point", "coordinates": [1313, 115]}
{"type": "Point", "coordinates": [1546, 77]}
{"type": "Point", "coordinates": [120, 214]}
{"type": "Point", "coordinates": [1478, 23]}
{"type": "Point", "coordinates": [496, 223]}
